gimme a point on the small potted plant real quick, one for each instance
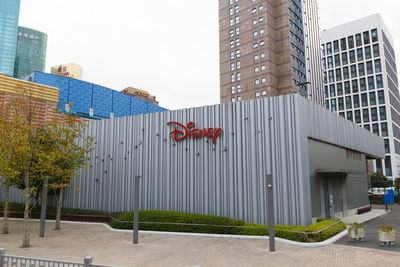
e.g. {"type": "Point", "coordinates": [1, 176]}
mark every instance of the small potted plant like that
{"type": "Point", "coordinates": [386, 234]}
{"type": "Point", "coordinates": [356, 231]}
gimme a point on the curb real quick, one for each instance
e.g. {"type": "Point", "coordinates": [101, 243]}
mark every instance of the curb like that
{"type": "Point", "coordinates": [329, 241]}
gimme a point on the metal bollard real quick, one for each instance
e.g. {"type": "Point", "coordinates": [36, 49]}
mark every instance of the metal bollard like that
{"type": "Point", "coordinates": [87, 261]}
{"type": "Point", "coordinates": [271, 215]}
{"type": "Point", "coordinates": [136, 210]}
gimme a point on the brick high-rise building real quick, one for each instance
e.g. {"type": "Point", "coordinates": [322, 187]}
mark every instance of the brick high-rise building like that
{"type": "Point", "coordinates": [269, 48]}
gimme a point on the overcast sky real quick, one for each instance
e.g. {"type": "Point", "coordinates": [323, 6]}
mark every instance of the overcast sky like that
{"type": "Point", "coordinates": [166, 47]}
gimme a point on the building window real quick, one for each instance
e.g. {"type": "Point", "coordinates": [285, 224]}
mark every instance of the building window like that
{"type": "Point", "coordinates": [254, 10]}
{"type": "Point", "coordinates": [336, 46]}
{"type": "Point", "coordinates": [261, 19]}
{"type": "Point", "coordinates": [360, 55]}
{"type": "Point", "coordinates": [388, 166]}
{"type": "Point", "coordinates": [378, 66]}
{"type": "Point", "coordinates": [263, 67]}
{"type": "Point", "coordinates": [331, 79]}
{"type": "Point", "coordinates": [340, 103]}
{"type": "Point", "coordinates": [255, 34]}
{"type": "Point", "coordinates": [374, 35]}
{"type": "Point", "coordinates": [237, 19]}
{"type": "Point", "coordinates": [375, 129]}
{"type": "Point", "coordinates": [232, 78]}
{"type": "Point", "coordinates": [356, 101]}
{"type": "Point", "coordinates": [239, 88]}
{"type": "Point", "coordinates": [238, 76]}
{"type": "Point", "coordinates": [233, 99]}
{"type": "Point", "coordinates": [387, 147]}
{"type": "Point", "coordinates": [357, 116]}
{"type": "Point", "coordinates": [371, 84]}
{"type": "Point", "coordinates": [364, 100]}
{"type": "Point", "coordinates": [327, 104]}
{"type": "Point", "coordinates": [260, 8]}
{"type": "Point", "coordinates": [239, 98]}
{"type": "Point", "coordinates": [262, 43]}
{"type": "Point", "coordinates": [233, 89]}
{"type": "Point", "coordinates": [343, 44]}
{"type": "Point", "coordinates": [382, 113]}
{"type": "Point", "coordinates": [230, 22]}
{"type": "Point", "coordinates": [350, 41]}
{"type": "Point", "coordinates": [337, 60]}
{"type": "Point", "coordinates": [381, 97]}
{"type": "Point", "coordinates": [256, 69]}
{"type": "Point", "coordinates": [237, 30]}
{"type": "Point", "coordinates": [255, 22]}
{"type": "Point", "coordinates": [384, 129]}
{"type": "Point", "coordinates": [231, 11]}
{"type": "Point", "coordinates": [348, 102]}
{"type": "Point", "coordinates": [231, 33]}
{"type": "Point", "coordinates": [263, 80]}
{"type": "Point", "coordinates": [352, 56]}
{"type": "Point", "coordinates": [261, 31]}
{"type": "Point", "coordinates": [230, 2]}
{"type": "Point", "coordinates": [257, 82]}
{"type": "Point", "coordinates": [232, 55]}
{"type": "Point", "coordinates": [255, 45]}
{"type": "Point", "coordinates": [238, 53]}
{"type": "Point", "coordinates": [333, 105]}
{"type": "Point", "coordinates": [354, 85]}
{"type": "Point", "coordinates": [237, 41]}
{"type": "Point", "coordinates": [353, 70]}
{"type": "Point", "coordinates": [344, 58]}
{"type": "Point", "coordinates": [376, 50]}
{"type": "Point", "coordinates": [332, 90]}
{"type": "Point", "coordinates": [349, 115]}
{"type": "Point", "coordinates": [258, 94]}
{"type": "Point", "coordinates": [236, 9]}
{"type": "Point", "coordinates": [232, 66]}
{"type": "Point", "coordinates": [339, 88]}
{"type": "Point", "coordinates": [366, 38]}
{"type": "Point", "coordinates": [232, 44]}
{"type": "Point", "coordinates": [358, 39]}
{"type": "Point", "coordinates": [363, 86]}
{"type": "Point", "coordinates": [262, 55]}
{"type": "Point", "coordinates": [338, 74]}
{"type": "Point", "coordinates": [346, 73]}
{"type": "Point", "coordinates": [347, 88]}
{"type": "Point", "coordinates": [255, 57]}
{"type": "Point", "coordinates": [372, 98]}
{"type": "Point", "coordinates": [329, 48]}
{"type": "Point", "coordinates": [369, 68]}
{"type": "Point", "coordinates": [361, 71]}
{"type": "Point", "coordinates": [374, 114]}
{"type": "Point", "coordinates": [238, 65]}
{"type": "Point", "coordinates": [379, 82]}
{"type": "Point", "coordinates": [367, 52]}
{"type": "Point", "coordinates": [264, 92]}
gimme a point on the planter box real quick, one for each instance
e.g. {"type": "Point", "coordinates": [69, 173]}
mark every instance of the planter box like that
{"type": "Point", "coordinates": [387, 238]}
{"type": "Point", "coordinates": [357, 234]}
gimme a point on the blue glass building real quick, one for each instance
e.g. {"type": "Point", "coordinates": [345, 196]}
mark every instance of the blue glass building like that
{"type": "Point", "coordinates": [31, 52]}
{"type": "Point", "coordinates": [9, 14]}
{"type": "Point", "coordinates": [91, 100]}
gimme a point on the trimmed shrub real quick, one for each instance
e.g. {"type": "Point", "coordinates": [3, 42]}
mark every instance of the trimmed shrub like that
{"type": "Point", "coordinates": [173, 221]}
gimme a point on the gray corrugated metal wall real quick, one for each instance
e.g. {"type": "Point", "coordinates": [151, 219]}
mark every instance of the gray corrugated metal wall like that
{"type": "Point", "coordinates": [228, 178]}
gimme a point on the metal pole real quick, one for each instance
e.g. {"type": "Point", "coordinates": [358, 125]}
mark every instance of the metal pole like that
{"type": "Point", "coordinates": [43, 208]}
{"type": "Point", "coordinates": [271, 219]}
{"type": "Point", "coordinates": [136, 211]}
{"type": "Point", "coordinates": [2, 254]}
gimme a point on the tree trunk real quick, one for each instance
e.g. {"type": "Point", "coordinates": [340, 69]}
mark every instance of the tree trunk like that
{"type": "Point", "coordinates": [5, 219]}
{"type": "Point", "coordinates": [58, 215]}
{"type": "Point", "coordinates": [26, 237]}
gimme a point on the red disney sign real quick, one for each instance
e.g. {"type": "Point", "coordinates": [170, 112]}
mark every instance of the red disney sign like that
{"type": "Point", "coordinates": [188, 132]}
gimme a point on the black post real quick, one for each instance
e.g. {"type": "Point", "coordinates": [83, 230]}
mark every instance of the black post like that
{"type": "Point", "coordinates": [136, 211]}
{"type": "Point", "coordinates": [271, 216]}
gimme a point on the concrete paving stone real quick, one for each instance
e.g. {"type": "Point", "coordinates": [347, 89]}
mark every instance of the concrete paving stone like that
{"type": "Point", "coordinates": [75, 241]}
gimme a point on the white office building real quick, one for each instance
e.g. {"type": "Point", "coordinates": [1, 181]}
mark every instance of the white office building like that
{"type": "Point", "coordinates": [360, 82]}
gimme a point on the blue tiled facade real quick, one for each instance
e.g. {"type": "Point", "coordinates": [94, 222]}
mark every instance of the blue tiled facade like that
{"type": "Point", "coordinates": [84, 95]}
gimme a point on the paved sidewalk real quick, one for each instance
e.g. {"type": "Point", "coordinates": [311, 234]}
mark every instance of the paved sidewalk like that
{"type": "Point", "coordinates": [374, 213]}
{"type": "Point", "coordinates": [371, 239]}
{"type": "Point", "coordinates": [75, 241]}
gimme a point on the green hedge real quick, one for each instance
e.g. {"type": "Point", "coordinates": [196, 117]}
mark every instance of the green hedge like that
{"type": "Point", "coordinates": [171, 221]}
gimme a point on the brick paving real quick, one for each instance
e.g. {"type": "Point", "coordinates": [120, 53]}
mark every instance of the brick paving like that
{"type": "Point", "coordinates": [75, 241]}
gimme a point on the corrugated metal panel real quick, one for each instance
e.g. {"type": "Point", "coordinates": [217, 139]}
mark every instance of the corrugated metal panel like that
{"type": "Point", "coordinates": [259, 137]}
